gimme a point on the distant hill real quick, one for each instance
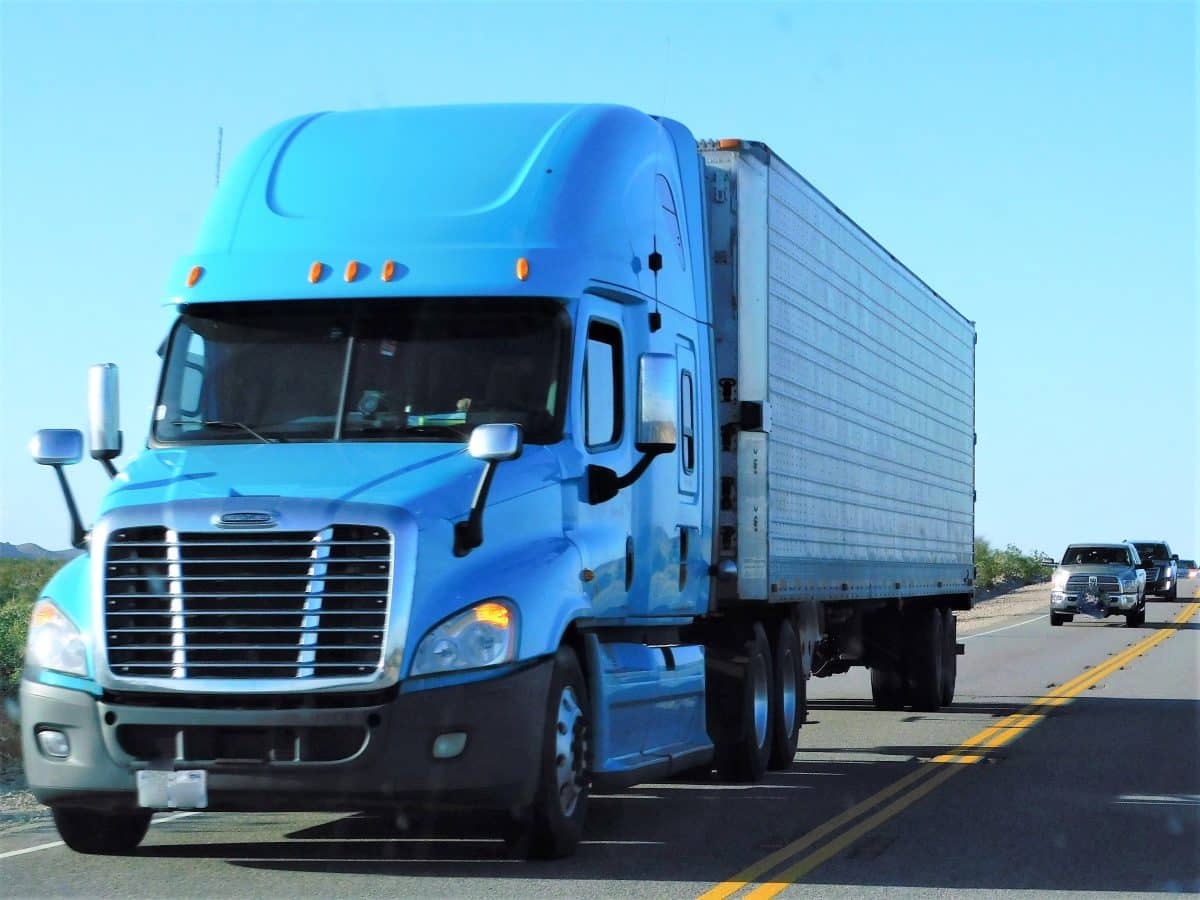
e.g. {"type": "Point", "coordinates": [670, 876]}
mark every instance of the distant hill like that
{"type": "Point", "coordinates": [33, 551]}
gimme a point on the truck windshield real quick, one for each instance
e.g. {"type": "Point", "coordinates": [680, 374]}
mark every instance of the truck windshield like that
{"type": "Point", "coordinates": [393, 370]}
{"type": "Point", "coordinates": [1153, 551]}
{"type": "Point", "coordinates": [1096, 556]}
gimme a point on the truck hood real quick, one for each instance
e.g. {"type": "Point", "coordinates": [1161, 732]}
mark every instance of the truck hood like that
{"type": "Point", "coordinates": [1097, 569]}
{"type": "Point", "coordinates": [427, 479]}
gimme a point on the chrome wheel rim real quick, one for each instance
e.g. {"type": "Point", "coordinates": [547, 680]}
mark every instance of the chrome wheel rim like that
{"type": "Point", "coordinates": [570, 751]}
{"type": "Point", "coordinates": [787, 675]}
{"type": "Point", "coordinates": [760, 685]}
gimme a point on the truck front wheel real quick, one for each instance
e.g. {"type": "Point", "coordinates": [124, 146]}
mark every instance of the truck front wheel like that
{"type": "Point", "coordinates": [89, 831]}
{"type": "Point", "coordinates": [553, 826]}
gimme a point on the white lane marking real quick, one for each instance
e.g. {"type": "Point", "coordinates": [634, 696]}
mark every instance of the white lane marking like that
{"type": "Point", "coordinates": [53, 844]}
{"type": "Point", "coordinates": [1005, 628]}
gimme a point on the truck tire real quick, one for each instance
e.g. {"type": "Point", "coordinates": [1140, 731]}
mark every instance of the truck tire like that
{"type": "Point", "coordinates": [89, 831]}
{"type": "Point", "coordinates": [788, 696]}
{"type": "Point", "coordinates": [949, 655]}
{"type": "Point", "coordinates": [743, 754]}
{"type": "Point", "coordinates": [1135, 618]}
{"type": "Point", "coordinates": [923, 658]}
{"type": "Point", "coordinates": [887, 687]}
{"type": "Point", "coordinates": [552, 828]}
{"type": "Point", "coordinates": [1173, 593]}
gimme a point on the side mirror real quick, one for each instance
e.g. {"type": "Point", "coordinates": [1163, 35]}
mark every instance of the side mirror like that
{"type": "Point", "coordinates": [57, 447]}
{"type": "Point", "coordinates": [491, 444]}
{"type": "Point", "coordinates": [658, 403]}
{"type": "Point", "coordinates": [104, 428]}
{"type": "Point", "coordinates": [496, 442]}
{"type": "Point", "coordinates": [1175, 556]}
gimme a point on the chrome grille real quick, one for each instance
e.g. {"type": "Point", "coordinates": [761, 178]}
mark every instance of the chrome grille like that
{"type": "Point", "coordinates": [285, 604]}
{"type": "Point", "coordinates": [1108, 584]}
{"type": "Point", "coordinates": [1151, 574]}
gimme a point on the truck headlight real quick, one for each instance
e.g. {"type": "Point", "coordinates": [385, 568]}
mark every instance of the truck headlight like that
{"type": "Point", "coordinates": [1127, 586]}
{"type": "Point", "coordinates": [1059, 581]}
{"type": "Point", "coordinates": [54, 641]}
{"type": "Point", "coordinates": [484, 635]}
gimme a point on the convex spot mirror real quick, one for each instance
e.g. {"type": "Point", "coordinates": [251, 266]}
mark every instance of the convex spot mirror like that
{"type": "Point", "coordinates": [57, 447]}
{"type": "Point", "coordinates": [496, 442]}
{"type": "Point", "coordinates": [104, 427]}
{"type": "Point", "coordinates": [658, 402]}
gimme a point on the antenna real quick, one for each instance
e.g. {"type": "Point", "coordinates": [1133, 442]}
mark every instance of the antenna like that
{"type": "Point", "coordinates": [220, 136]}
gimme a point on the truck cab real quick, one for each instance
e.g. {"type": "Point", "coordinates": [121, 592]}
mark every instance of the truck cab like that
{"type": "Point", "coordinates": [424, 505]}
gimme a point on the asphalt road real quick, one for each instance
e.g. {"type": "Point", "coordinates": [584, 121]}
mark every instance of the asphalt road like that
{"type": "Point", "coordinates": [1069, 762]}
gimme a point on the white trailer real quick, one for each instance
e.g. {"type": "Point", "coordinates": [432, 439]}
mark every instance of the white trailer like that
{"type": "Point", "coordinates": [847, 435]}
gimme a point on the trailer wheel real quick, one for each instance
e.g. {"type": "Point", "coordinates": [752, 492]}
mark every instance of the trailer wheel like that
{"type": "Point", "coordinates": [923, 643]}
{"type": "Point", "coordinates": [788, 696]}
{"type": "Point", "coordinates": [887, 687]}
{"type": "Point", "coordinates": [89, 831]}
{"type": "Point", "coordinates": [552, 828]}
{"type": "Point", "coordinates": [744, 752]}
{"type": "Point", "coordinates": [949, 656]}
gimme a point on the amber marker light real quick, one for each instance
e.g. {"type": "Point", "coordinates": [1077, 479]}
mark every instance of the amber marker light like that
{"type": "Point", "coordinates": [314, 272]}
{"type": "Point", "coordinates": [351, 270]}
{"type": "Point", "coordinates": [522, 269]}
{"type": "Point", "coordinates": [194, 275]}
{"type": "Point", "coordinates": [729, 144]}
{"type": "Point", "coordinates": [389, 270]}
{"type": "Point", "coordinates": [493, 614]}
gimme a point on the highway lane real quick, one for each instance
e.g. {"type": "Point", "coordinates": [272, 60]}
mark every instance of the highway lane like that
{"type": "Point", "coordinates": [1102, 793]}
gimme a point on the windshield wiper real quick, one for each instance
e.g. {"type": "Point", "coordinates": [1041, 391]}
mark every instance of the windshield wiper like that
{"type": "Point", "coordinates": [211, 423]}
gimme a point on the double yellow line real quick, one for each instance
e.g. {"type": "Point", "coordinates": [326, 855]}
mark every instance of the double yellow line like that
{"type": "Point", "coordinates": [896, 797]}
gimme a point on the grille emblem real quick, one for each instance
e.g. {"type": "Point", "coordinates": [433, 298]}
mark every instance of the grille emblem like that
{"type": "Point", "coordinates": [245, 519]}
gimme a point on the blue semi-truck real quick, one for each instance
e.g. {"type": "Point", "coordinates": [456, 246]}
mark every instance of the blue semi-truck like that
{"type": "Point", "coordinates": [501, 454]}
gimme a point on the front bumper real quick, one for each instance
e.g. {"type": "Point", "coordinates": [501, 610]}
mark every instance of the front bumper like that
{"type": "Point", "coordinates": [1061, 602]}
{"type": "Point", "coordinates": [341, 758]}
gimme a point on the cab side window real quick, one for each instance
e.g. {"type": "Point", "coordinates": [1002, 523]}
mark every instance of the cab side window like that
{"type": "Point", "coordinates": [603, 393]}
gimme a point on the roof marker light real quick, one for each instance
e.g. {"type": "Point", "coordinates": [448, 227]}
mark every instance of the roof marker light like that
{"type": "Point", "coordinates": [522, 269]}
{"type": "Point", "coordinates": [314, 272]}
{"type": "Point", "coordinates": [389, 270]}
{"type": "Point", "coordinates": [194, 275]}
{"type": "Point", "coordinates": [351, 270]}
{"type": "Point", "coordinates": [729, 144]}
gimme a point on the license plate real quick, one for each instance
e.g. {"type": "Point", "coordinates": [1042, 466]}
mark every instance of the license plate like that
{"type": "Point", "coordinates": [185, 789]}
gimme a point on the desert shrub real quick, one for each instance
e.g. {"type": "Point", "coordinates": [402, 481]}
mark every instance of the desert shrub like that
{"type": "Point", "coordinates": [20, 582]}
{"type": "Point", "coordinates": [1007, 566]}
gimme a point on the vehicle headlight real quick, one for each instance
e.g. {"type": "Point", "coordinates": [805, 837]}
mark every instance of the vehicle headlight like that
{"type": "Point", "coordinates": [484, 635]}
{"type": "Point", "coordinates": [1127, 586]}
{"type": "Point", "coordinates": [1059, 581]}
{"type": "Point", "coordinates": [54, 641]}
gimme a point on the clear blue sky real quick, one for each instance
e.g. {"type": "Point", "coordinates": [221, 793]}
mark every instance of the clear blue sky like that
{"type": "Point", "coordinates": [1035, 163]}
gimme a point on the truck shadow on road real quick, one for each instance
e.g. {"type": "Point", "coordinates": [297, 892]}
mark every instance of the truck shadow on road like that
{"type": "Point", "coordinates": [1104, 795]}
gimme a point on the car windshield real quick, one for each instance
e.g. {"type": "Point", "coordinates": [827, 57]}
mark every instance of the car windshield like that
{"type": "Point", "coordinates": [372, 370]}
{"type": "Point", "coordinates": [1083, 556]}
{"type": "Point", "coordinates": [1152, 551]}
